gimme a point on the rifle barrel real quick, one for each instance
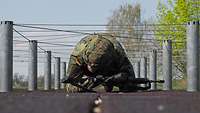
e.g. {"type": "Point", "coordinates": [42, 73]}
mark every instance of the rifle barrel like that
{"type": "Point", "coordinates": [157, 81]}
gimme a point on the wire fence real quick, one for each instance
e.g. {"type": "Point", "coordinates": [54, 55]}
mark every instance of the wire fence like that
{"type": "Point", "coordinates": [138, 43]}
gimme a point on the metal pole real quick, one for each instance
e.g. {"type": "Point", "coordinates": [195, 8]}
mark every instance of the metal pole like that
{"type": "Point", "coordinates": [54, 74]}
{"type": "Point", "coordinates": [153, 68]}
{"type": "Point", "coordinates": [137, 69]}
{"type": "Point", "coordinates": [57, 73]}
{"type": "Point", "coordinates": [143, 69]}
{"type": "Point", "coordinates": [6, 56]}
{"type": "Point", "coordinates": [32, 71]}
{"type": "Point", "coordinates": [47, 71]}
{"type": "Point", "coordinates": [167, 64]}
{"type": "Point", "coordinates": [63, 72]}
{"type": "Point", "coordinates": [143, 73]}
{"type": "Point", "coordinates": [193, 56]}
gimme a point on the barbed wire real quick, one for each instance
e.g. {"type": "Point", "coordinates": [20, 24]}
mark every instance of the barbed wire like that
{"type": "Point", "coordinates": [26, 61]}
{"type": "Point", "coordinates": [47, 39]}
{"type": "Point", "coordinates": [21, 35]}
{"type": "Point", "coordinates": [44, 51]}
{"type": "Point", "coordinates": [51, 29]}
{"type": "Point", "coordinates": [152, 24]}
{"type": "Point", "coordinates": [86, 33]}
{"type": "Point", "coordinates": [49, 35]}
{"type": "Point", "coordinates": [106, 30]}
{"type": "Point", "coordinates": [56, 44]}
{"type": "Point", "coordinates": [138, 32]}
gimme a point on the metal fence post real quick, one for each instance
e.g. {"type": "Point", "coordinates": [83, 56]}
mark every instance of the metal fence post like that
{"type": "Point", "coordinates": [143, 69]}
{"type": "Point", "coordinates": [57, 73]}
{"type": "Point", "coordinates": [54, 74]}
{"type": "Point", "coordinates": [6, 56]}
{"type": "Point", "coordinates": [193, 56]}
{"type": "Point", "coordinates": [47, 71]}
{"type": "Point", "coordinates": [143, 73]}
{"type": "Point", "coordinates": [32, 67]}
{"type": "Point", "coordinates": [63, 72]}
{"type": "Point", "coordinates": [153, 68]}
{"type": "Point", "coordinates": [137, 69]}
{"type": "Point", "coordinates": [167, 64]}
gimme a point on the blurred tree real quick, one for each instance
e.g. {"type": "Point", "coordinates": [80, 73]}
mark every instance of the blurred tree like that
{"type": "Point", "coordinates": [123, 19]}
{"type": "Point", "coordinates": [40, 82]}
{"type": "Point", "coordinates": [123, 23]}
{"type": "Point", "coordinates": [19, 81]}
{"type": "Point", "coordinates": [175, 14]}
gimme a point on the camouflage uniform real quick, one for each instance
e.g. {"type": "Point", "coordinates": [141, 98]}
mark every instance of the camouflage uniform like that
{"type": "Point", "coordinates": [106, 52]}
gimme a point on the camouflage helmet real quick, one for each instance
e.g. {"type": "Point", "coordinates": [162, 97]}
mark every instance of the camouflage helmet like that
{"type": "Point", "coordinates": [99, 51]}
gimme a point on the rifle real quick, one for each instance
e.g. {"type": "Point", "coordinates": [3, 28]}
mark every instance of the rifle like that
{"type": "Point", "coordinates": [135, 83]}
{"type": "Point", "coordinates": [67, 80]}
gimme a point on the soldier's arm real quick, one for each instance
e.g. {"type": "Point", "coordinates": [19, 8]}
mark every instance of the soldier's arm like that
{"type": "Point", "coordinates": [74, 71]}
{"type": "Point", "coordinates": [125, 71]}
{"type": "Point", "coordinates": [124, 65]}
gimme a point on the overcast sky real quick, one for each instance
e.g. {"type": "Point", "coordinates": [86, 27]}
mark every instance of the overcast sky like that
{"type": "Point", "coordinates": [64, 12]}
{"type": "Point", "coordinates": [67, 11]}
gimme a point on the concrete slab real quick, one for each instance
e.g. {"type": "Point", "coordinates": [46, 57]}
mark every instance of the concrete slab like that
{"type": "Point", "coordinates": [61, 102]}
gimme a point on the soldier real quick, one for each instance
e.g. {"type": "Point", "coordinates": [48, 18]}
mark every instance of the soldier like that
{"type": "Point", "coordinates": [100, 55]}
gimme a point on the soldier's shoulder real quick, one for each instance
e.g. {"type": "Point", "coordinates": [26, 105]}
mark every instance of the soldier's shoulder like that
{"type": "Point", "coordinates": [82, 44]}
{"type": "Point", "coordinates": [118, 46]}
